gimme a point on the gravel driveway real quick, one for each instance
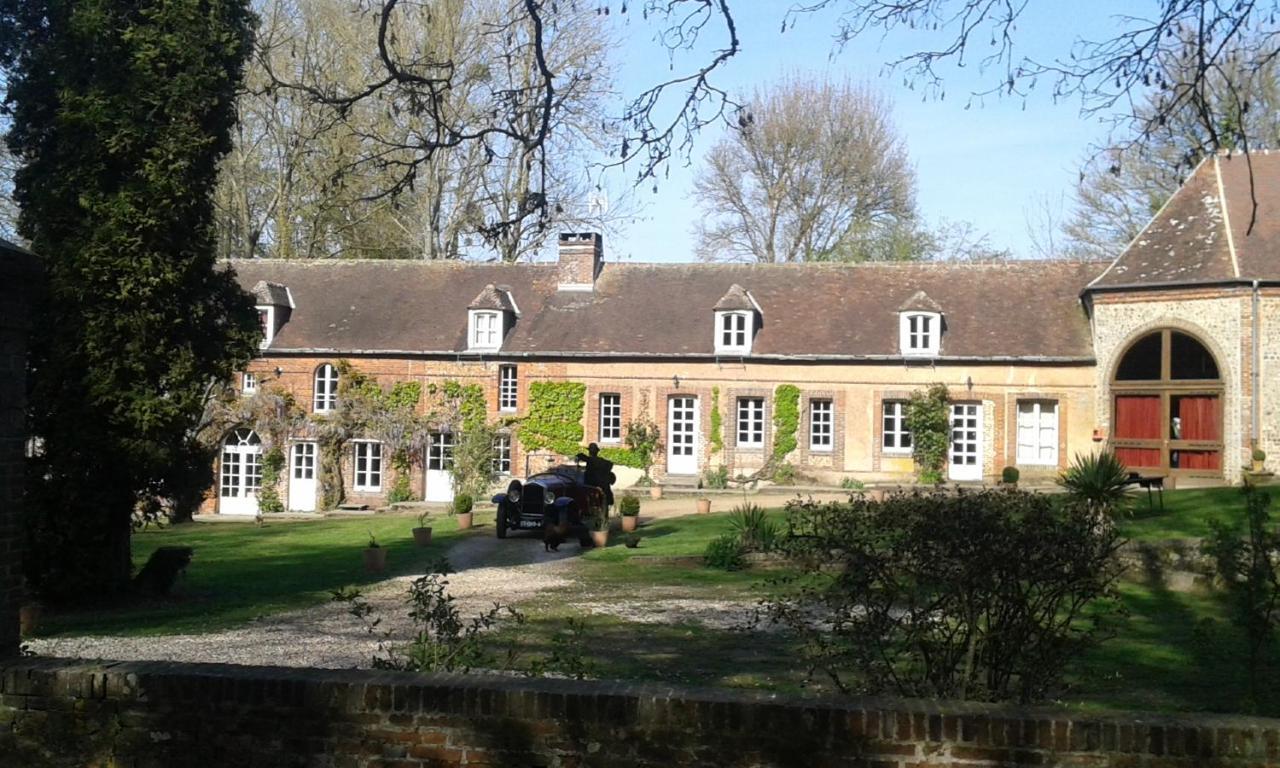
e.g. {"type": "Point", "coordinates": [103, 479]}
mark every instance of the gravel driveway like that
{"type": "Point", "coordinates": [326, 635]}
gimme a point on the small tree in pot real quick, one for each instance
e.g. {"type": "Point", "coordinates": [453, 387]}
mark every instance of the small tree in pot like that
{"type": "Point", "coordinates": [422, 534]}
{"type": "Point", "coordinates": [629, 508]}
{"type": "Point", "coordinates": [375, 557]}
{"type": "Point", "coordinates": [462, 506]}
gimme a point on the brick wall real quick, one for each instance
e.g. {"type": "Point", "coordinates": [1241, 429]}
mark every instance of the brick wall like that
{"type": "Point", "coordinates": [18, 275]}
{"type": "Point", "coordinates": [62, 713]}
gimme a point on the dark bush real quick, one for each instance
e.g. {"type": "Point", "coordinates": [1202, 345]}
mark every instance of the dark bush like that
{"type": "Point", "coordinates": [982, 595]}
{"type": "Point", "coordinates": [629, 506]}
{"type": "Point", "coordinates": [1010, 475]}
{"type": "Point", "coordinates": [724, 552]}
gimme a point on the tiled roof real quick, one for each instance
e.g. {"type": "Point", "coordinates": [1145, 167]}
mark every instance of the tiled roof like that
{"type": "Point", "coordinates": [493, 297]}
{"type": "Point", "coordinates": [1209, 231]}
{"type": "Point", "coordinates": [1006, 310]}
{"type": "Point", "coordinates": [736, 298]}
{"type": "Point", "coordinates": [920, 302]}
{"type": "Point", "coordinates": [270, 294]}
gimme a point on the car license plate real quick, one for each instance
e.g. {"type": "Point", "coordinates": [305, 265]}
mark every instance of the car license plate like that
{"type": "Point", "coordinates": [530, 524]}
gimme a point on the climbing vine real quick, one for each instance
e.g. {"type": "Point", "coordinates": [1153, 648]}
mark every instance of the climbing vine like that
{"type": "Point", "coordinates": [465, 403]}
{"type": "Point", "coordinates": [269, 492]}
{"type": "Point", "coordinates": [786, 420]}
{"type": "Point", "coordinates": [716, 438]}
{"type": "Point", "coordinates": [554, 420]}
{"type": "Point", "coordinates": [928, 420]}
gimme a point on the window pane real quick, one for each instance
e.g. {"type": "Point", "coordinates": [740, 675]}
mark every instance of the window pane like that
{"type": "Point", "coordinates": [1188, 359]}
{"type": "Point", "coordinates": [1142, 361]}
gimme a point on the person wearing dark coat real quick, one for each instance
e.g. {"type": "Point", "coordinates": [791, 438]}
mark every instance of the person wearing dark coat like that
{"type": "Point", "coordinates": [599, 472]}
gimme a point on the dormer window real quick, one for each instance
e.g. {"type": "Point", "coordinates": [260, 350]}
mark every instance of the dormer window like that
{"type": "Point", "coordinates": [489, 317]}
{"type": "Point", "coordinates": [737, 317]}
{"type": "Point", "coordinates": [735, 332]}
{"type": "Point", "coordinates": [486, 330]}
{"type": "Point", "coordinates": [267, 322]}
{"type": "Point", "coordinates": [920, 326]}
{"type": "Point", "coordinates": [274, 303]}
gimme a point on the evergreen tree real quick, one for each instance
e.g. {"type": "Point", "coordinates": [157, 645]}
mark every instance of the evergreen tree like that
{"type": "Point", "coordinates": [120, 112]}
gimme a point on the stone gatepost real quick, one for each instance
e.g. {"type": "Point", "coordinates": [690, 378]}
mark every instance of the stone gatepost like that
{"type": "Point", "coordinates": [19, 273]}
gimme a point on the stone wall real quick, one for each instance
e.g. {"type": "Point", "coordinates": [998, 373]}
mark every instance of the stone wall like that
{"type": "Point", "coordinates": [63, 713]}
{"type": "Point", "coordinates": [18, 275]}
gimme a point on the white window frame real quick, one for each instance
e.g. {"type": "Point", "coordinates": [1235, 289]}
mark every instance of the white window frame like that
{"type": "Point", "coordinates": [508, 388]}
{"type": "Point", "coordinates": [1033, 454]}
{"type": "Point", "coordinates": [920, 333]}
{"type": "Point", "coordinates": [750, 415]}
{"type": "Point", "coordinates": [363, 479]}
{"type": "Point", "coordinates": [824, 428]}
{"type": "Point", "coordinates": [726, 323]}
{"type": "Point", "coordinates": [610, 417]}
{"type": "Point", "coordinates": [269, 326]}
{"type": "Point", "coordinates": [248, 383]}
{"type": "Point", "coordinates": [484, 329]}
{"type": "Point", "coordinates": [502, 454]}
{"type": "Point", "coordinates": [895, 411]}
{"type": "Point", "coordinates": [324, 388]}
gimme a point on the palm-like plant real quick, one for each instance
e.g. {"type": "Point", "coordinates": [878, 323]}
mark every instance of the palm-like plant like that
{"type": "Point", "coordinates": [1098, 480]}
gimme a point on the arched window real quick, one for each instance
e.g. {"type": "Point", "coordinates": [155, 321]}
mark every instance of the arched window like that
{"type": "Point", "coordinates": [325, 391]}
{"type": "Point", "coordinates": [1167, 406]}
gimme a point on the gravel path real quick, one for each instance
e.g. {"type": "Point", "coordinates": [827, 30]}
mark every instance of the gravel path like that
{"type": "Point", "coordinates": [326, 635]}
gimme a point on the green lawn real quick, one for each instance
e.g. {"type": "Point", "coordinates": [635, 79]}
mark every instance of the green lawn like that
{"type": "Point", "coordinates": [241, 571]}
{"type": "Point", "coordinates": [1186, 513]}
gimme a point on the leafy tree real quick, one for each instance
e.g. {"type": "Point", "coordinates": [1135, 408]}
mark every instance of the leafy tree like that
{"type": "Point", "coordinates": [120, 112]}
{"type": "Point", "coordinates": [984, 595]}
{"type": "Point", "coordinates": [814, 171]}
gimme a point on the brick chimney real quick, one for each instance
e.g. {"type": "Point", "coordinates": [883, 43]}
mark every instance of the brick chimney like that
{"type": "Point", "coordinates": [581, 254]}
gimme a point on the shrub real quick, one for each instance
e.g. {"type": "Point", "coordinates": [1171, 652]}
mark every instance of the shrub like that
{"type": "Point", "coordinates": [631, 540]}
{"type": "Point", "coordinates": [717, 478]}
{"type": "Point", "coordinates": [1098, 481]}
{"type": "Point", "coordinates": [629, 505]}
{"type": "Point", "coordinates": [400, 490]}
{"type": "Point", "coordinates": [785, 474]}
{"type": "Point", "coordinates": [752, 526]}
{"type": "Point", "coordinates": [725, 553]}
{"type": "Point", "coordinates": [463, 503]}
{"type": "Point", "coordinates": [850, 484]}
{"type": "Point", "coordinates": [1259, 454]}
{"type": "Point", "coordinates": [1010, 475]}
{"type": "Point", "coordinates": [984, 595]}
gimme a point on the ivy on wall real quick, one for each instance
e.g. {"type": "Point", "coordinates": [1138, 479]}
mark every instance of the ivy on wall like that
{"type": "Point", "coordinates": [466, 401]}
{"type": "Point", "coordinates": [717, 429]}
{"type": "Point", "coordinates": [928, 419]}
{"type": "Point", "coordinates": [269, 491]}
{"type": "Point", "coordinates": [554, 420]}
{"type": "Point", "coordinates": [786, 420]}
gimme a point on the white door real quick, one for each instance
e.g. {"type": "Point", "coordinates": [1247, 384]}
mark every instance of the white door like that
{"type": "Point", "coordinates": [241, 473]}
{"type": "Point", "coordinates": [302, 478]}
{"type": "Point", "coordinates": [439, 460]}
{"type": "Point", "coordinates": [682, 436]}
{"type": "Point", "coordinates": [966, 441]}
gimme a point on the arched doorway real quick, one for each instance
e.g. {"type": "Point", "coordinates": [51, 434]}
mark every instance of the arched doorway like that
{"type": "Point", "coordinates": [1166, 413]}
{"type": "Point", "coordinates": [241, 473]}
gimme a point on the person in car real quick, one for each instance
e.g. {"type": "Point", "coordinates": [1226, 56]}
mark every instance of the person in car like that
{"type": "Point", "coordinates": [599, 472]}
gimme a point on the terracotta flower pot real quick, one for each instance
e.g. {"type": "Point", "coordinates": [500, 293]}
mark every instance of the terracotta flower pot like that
{"type": "Point", "coordinates": [464, 520]}
{"type": "Point", "coordinates": [655, 491]}
{"type": "Point", "coordinates": [29, 618]}
{"type": "Point", "coordinates": [600, 538]}
{"type": "Point", "coordinates": [629, 523]}
{"type": "Point", "coordinates": [422, 536]}
{"type": "Point", "coordinates": [704, 506]}
{"type": "Point", "coordinates": [375, 559]}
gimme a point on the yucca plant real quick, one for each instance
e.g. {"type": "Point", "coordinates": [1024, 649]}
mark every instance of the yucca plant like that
{"type": "Point", "coordinates": [753, 527]}
{"type": "Point", "coordinates": [1099, 481]}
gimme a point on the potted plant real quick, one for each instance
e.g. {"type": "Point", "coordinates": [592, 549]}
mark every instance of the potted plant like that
{"type": "Point", "coordinates": [629, 508]}
{"type": "Point", "coordinates": [422, 534]}
{"type": "Point", "coordinates": [375, 557]}
{"type": "Point", "coordinates": [1009, 477]}
{"type": "Point", "coordinates": [704, 506]}
{"type": "Point", "coordinates": [600, 528]}
{"type": "Point", "coordinates": [462, 506]}
{"type": "Point", "coordinates": [1259, 459]}
{"type": "Point", "coordinates": [655, 491]}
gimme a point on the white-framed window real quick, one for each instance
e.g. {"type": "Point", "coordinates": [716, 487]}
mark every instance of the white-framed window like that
{"type": "Point", "coordinates": [751, 422]}
{"type": "Point", "coordinates": [325, 390]}
{"type": "Point", "coordinates": [610, 417]}
{"type": "Point", "coordinates": [508, 388]}
{"type": "Point", "coordinates": [267, 321]}
{"type": "Point", "coordinates": [486, 329]}
{"type": "Point", "coordinates": [921, 333]}
{"type": "Point", "coordinates": [1038, 432]}
{"type": "Point", "coordinates": [368, 466]}
{"type": "Point", "coordinates": [248, 383]}
{"type": "Point", "coordinates": [733, 331]}
{"type": "Point", "coordinates": [896, 438]}
{"type": "Point", "coordinates": [821, 421]}
{"type": "Point", "coordinates": [502, 454]}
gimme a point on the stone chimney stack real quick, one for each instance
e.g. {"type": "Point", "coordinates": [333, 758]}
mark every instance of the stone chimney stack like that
{"type": "Point", "coordinates": [581, 254]}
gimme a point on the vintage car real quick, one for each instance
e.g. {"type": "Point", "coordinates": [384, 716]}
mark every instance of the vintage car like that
{"type": "Point", "coordinates": [557, 497]}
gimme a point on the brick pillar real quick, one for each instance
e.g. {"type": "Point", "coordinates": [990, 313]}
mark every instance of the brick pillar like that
{"type": "Point", "coordinates": [18, 278]}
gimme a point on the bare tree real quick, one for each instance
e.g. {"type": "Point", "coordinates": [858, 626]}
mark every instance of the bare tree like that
{"type": "Point", "coordinates": [813, 171]}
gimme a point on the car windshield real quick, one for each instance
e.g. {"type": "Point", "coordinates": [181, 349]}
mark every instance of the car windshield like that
{"type": "Point", "coordinates": [572, 474]}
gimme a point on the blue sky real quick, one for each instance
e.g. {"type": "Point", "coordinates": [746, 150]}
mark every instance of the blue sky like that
{"type": "Point", "coordinates": [987, 165]}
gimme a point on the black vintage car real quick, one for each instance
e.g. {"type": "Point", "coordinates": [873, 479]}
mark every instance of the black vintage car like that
{"type": "Point", "coordinates": [557, 497]}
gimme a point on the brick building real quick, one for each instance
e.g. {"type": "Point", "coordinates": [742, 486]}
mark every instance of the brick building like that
{"type": "Point", "coordinates": [1161, 354]}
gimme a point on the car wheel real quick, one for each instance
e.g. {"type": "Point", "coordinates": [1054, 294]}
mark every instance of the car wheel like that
{"type": "Point", "coordinates": [501, 525]}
